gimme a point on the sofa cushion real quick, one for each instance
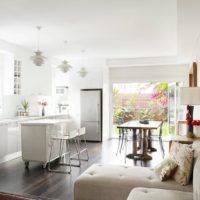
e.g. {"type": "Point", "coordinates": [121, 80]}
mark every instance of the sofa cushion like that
{"type": "Point", "coordinates": [157, 194]}
{"type": "Point", "coordinates": [196, 148]}
{"type": "Point", "coordinates": [105, 182]}
{"type": "Point", "coordinates": [182, 154]}
{"type": "Point", "coordinates": [165, 169]}
{"type": "Point", "coordinates": [196, 180]}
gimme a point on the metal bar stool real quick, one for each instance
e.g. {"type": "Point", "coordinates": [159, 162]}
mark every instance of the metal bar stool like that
{"type": "Point", "coordinates": [62, 139]}
{"type": "Point", "coordinates": [81, 137]}
{"type": "Point", "coordinates": [73, 137]}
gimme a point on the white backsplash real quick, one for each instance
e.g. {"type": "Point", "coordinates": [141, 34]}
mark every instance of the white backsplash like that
{"type": "Point", "coordinates": [11, 103]}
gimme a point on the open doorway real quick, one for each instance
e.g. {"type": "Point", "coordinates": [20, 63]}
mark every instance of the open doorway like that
{"type": "Point", "coordinates": [151, 101]}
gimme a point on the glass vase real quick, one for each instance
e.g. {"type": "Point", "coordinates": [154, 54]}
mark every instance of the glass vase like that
{"type": "Point", "coordinates": [43, 111]}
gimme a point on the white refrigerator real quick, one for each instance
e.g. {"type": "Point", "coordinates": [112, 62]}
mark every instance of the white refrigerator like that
{"type": "Point", "coordinates": [91, 113]}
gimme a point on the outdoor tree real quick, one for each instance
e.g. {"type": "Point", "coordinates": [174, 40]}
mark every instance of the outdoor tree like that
{"type": "Point", "coordinates": [160, 94]}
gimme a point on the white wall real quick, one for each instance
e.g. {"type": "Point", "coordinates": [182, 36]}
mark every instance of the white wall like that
{"type": "Point", "coordinates": [94, 79]}
{"type": "Point", "coordinates": [35, 80]}
{"type": "Point", "coordinates": [106, 102]}
{"type": "Point", "coordinates": [1, 82]}
{"type": "Point", "coordinates": [7, 72]}
{"type": "Point", "coordinates": [188, 29]}
{"type": "Point", "coordinates": [168, 73]}
{"type": "Point", "coordinates": [189, 37]}
{"type": "Point", "coordinates": [159, 73]}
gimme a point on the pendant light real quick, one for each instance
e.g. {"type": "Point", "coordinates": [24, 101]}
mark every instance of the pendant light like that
{"type": "Point", "coordinates": [38, 59]}
{"type": "Point", "coordinates": [82, 72]}
{"type": "Point", "coordinates": [64, 66]}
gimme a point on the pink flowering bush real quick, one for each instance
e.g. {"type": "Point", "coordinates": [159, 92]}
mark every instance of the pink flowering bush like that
{"type": "Point", "coordinates": [160, 94]}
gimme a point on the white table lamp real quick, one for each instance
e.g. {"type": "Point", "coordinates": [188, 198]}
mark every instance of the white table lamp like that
{"type": "Point", "coordinates": [190, 96]}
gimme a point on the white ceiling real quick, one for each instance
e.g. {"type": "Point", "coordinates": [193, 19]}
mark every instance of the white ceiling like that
{"type": "Point", "coordinates": [104, 28]}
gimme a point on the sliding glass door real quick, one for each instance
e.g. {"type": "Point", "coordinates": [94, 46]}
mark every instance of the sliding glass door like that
{"type": "Point", "coordinates": [176, 112]}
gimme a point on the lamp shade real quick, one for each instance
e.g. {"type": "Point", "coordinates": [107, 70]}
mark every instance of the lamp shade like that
{"type": "Point", "coordinates": [190, 95]}
{"type": "Point", "coordinates": [38, 59]}
{"type": "Point", "coordinates": [64, 66]}
{"type": "Point", "coordinates": [83, 72]}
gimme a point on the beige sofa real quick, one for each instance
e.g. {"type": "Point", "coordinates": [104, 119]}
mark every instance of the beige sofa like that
{"type": "Point", "coordinates": [157, 194]}
{"type": "Point", "coordinates": [101, 182]}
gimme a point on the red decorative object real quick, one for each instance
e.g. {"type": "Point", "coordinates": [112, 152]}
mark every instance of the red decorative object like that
{"type": "Point", "coordinates": [196, 122]}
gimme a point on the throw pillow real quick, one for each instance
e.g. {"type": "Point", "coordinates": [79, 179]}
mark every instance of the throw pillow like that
{"type": "Point", "coordinates": [182, 154]}
{"type": "Point", "coordinates": [196, 148]}
{"type": "Point", "coordinates": [165, 169]}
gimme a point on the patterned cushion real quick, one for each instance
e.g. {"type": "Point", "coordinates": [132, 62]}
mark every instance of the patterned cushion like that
{"type": "Point", "coordinates": [196, 148]}
{"type": "Point", "coordinates": [196, 178]}
{"type": "Point", "coordinates": [182, 154]}
{"type": "Point", "coordinates": [165, 169]}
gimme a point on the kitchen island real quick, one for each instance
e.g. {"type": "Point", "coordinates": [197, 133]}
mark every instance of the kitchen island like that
{"type": "Point", "coordinates": [10, 134]}
{"type": "Point", "coordinates": [36, 139]}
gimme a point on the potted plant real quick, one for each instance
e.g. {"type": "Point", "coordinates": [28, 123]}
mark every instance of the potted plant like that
{"type": "Point", "coordinates": [25, 106]}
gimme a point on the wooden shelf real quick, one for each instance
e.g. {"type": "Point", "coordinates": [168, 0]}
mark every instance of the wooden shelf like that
{"type": "Point", "coordinates": [182, 139]}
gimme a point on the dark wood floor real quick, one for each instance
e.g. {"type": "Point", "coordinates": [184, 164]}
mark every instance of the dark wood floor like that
{"type": "Point", "coordinates": [14, 178]}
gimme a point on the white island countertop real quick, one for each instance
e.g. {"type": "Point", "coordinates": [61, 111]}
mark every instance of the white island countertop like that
{"type": "Point", "coordinates": [30, 118]}
{"type": "Point", "coordinates": [45, 122]}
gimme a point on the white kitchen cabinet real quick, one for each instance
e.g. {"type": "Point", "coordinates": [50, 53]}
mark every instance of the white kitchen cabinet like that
{"type": "Point", "coordinates": [10, 141]}
{"type": "Point", "coordinates": [17, 77]}
{"type": "Point", "coordinates": [36, 138]}
{"type": "Point", "coordinates": [3, 141]}
{"type": "Point", "coordinates": [10, 136]}
{"type": "Point", "coordinates": [14, 138]}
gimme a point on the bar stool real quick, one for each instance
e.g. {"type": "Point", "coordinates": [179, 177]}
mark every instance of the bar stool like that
{"type": "Point", "coordinates": [73, 137]}
{"type": "Point", "coordinates": [62, 139]}
{"type": "Point", "coordinates": [81, 137]}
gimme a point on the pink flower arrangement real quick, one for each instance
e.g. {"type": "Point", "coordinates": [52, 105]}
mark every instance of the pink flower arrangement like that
{"type": "Point", "coordinates": [43, 103]}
